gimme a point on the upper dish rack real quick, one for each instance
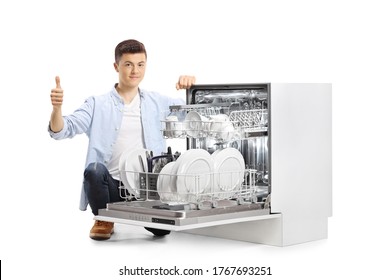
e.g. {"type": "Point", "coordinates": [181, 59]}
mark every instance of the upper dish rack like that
{"type": "Point", "coordinates": [216, 122]}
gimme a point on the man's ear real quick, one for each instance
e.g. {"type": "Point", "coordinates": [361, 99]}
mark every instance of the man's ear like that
{"type": "Point", "coordinates": [116, 67]}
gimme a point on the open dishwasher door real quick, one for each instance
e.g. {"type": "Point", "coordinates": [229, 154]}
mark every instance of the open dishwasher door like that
{"type": "Point", "coordinates": [257, 166]}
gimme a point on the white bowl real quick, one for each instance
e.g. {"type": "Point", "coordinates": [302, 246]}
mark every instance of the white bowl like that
{"type": "Point", "coordinates": [173, 128]}
{"type": "Point", "coordinates": [221, 127]}
{"type": "Point", "coordinates": [195, 124]}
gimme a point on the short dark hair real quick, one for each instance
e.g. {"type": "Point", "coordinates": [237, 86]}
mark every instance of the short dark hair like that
{"type": "Point", "coordinates": [129, 46]}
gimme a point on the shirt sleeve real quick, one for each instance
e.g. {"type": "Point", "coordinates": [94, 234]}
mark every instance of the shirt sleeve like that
{"type": "Point", "coordinates": [76, 123]}
{"type": "Point", "coordinates": [169, 102]}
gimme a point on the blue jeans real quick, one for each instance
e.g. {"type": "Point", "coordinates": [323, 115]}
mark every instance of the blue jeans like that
{"type": "Point", "coordinates": [100, 187]}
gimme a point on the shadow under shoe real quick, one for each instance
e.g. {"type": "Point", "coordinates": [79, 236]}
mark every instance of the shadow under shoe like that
{"type": "Point", "coordinates": [101, 230]}
{"type": "Point", "coordinates": [158, 232]}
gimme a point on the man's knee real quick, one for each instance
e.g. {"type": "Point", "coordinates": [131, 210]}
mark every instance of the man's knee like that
{"type": "Point", "coordinates": [94, 169]}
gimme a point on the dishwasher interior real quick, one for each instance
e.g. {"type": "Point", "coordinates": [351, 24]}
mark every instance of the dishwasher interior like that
{"type": "Point", "coordinates": [232, 123]}
{"type": "Point", "coordinates": [222, 178]}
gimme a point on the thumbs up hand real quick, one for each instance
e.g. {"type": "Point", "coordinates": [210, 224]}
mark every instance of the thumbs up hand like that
{"type": "Point", "coordinates": [57, 95]}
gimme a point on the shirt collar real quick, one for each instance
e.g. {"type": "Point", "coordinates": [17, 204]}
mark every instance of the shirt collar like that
{"type": "Point", "coordinates": [118, 98]}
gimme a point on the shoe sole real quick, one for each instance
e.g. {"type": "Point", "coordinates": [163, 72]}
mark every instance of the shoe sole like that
{"type": "Point", "coordinates": [100, 236]}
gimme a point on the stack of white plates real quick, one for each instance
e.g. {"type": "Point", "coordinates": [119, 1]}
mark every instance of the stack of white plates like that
{"type": "Point", "coordinates": [197, 174]}
{"type": "Point", "coordinates": [187, 178]}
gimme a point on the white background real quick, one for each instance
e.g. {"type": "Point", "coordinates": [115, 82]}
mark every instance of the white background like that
{"type": "Point", "coordinates": [43, 235]}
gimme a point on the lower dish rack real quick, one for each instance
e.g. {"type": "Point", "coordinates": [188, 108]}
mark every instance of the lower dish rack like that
{"type": "Point", "coordinates": [199, 206]}
{"type": "Point", "coordinates": [196, 189]}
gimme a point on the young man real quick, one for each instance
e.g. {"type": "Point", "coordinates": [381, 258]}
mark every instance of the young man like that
{"type": "Point", "coordinates": [127, 116]}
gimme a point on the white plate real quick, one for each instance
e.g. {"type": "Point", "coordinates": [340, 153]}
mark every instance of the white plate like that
{"type": "Point", "coordinates": [229, 168]}
{"type": "Point", "coordinates": [165, 186]}
{"type": "Point", "coordinates": [132, 166]}
{"type": "Point", "coordinates": [122, 160]}
{"type": "Point", "coordinates": [193, 169]}
{"type": "Point", "coordinates": [214, 154]}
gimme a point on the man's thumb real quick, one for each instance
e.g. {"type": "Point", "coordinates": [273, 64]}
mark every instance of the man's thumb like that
{"type": "Point", "coordinates": [58, 85]}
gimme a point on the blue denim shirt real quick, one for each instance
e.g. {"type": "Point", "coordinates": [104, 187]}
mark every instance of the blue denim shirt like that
{"type": "Point", "coordinates": [100, 118]}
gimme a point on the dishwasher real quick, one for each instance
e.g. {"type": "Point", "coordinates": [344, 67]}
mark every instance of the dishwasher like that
{"type": "Point", "coordinates": [257, 166]}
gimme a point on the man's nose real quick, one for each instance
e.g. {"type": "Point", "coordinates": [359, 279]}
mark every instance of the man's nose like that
{"type": "Point", "coordinates": [134, 69]}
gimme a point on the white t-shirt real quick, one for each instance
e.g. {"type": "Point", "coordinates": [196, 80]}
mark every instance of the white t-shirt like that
{"type": "Point", "coordinates": [130, 135]}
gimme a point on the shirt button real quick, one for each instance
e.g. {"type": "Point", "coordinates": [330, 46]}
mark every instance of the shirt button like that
{"type": "Point", "coordinates": [116, 128]}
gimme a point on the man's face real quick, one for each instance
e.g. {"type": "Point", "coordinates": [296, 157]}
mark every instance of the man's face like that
{"type": "Point", "coordinates": [131, 69]}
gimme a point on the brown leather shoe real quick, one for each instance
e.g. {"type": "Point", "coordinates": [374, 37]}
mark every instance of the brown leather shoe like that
{"type": "Point", "coordinates": [101, 230]}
